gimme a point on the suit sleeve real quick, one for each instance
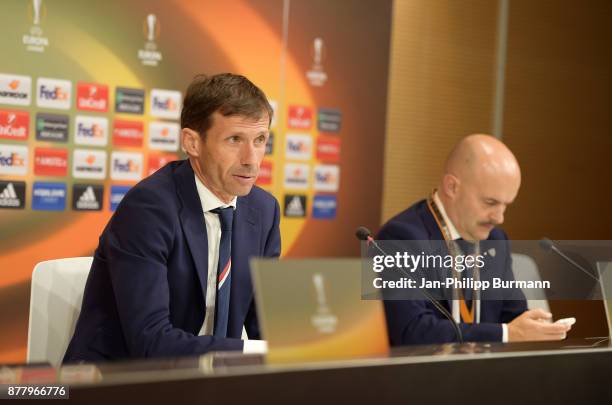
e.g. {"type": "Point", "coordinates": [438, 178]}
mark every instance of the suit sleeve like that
{"type": "Point", "coordinates": [418, 321]}
{"type": "Point", "coordinates": [272, 248]}
{"type": "Point", "coordinates": [137, 245]}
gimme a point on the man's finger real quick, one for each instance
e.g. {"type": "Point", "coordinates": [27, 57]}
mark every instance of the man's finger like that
{"type": "Point", "coordinates": [538, 314]}
{"type": "Point", "coordinates": [553, 328]}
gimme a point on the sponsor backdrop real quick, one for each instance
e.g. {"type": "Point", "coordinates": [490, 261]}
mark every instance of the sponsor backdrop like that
{"type": "Point", "coordinates": [90, 98]}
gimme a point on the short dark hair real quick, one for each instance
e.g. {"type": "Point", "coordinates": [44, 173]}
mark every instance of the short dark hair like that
{"type": "Point", "coordinates": [228, 93]}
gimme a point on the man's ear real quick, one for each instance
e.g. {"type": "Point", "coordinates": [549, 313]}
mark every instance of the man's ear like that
{"type": "Point", "coordinates": [190, 142]}
{"type": "Point", "coordinates": [450, 185]}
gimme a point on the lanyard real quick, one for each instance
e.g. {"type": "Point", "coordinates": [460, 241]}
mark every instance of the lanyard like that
{"type": "Point", "coordinates": [473, 312]}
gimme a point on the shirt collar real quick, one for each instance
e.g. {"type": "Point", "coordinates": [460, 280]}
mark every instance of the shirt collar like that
{"type": "Point", "coordinates": [209, 200]}
{"type": "Point", "coordinates": [454, 234]}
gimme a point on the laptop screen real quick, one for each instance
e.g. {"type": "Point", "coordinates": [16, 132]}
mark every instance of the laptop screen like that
{"type": "Point", "coordinates": [605, 280]}
{"type": "Point", "coordinates": [311, 310]}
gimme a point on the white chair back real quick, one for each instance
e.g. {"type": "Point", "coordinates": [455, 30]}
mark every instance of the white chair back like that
{"type": "Point", "coordinates": [525, 268]}
{"type": "Point", "coordinates": [55, 305]}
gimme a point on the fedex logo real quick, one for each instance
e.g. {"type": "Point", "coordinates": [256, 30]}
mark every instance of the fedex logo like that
{"type": "Point", "coordinates": [53, 93]}
{"type": "Point", "coordinates": [91, 130]}
{"type": "Point", "coordinates": [327, 178]}
{"type": "Point", "coordinates": [126, 166]}
{"type": "Point", "coordinates": [300, 117]}
{"type": "Point", "coordinates": [14, 125]}
{"type": "Point", "coordinates": [298, 146]}
{"type": "Point", "coordinates": [92, 97]}
{"type": "Point", "coordinates": [165, 103]}
{"type": "Point", "coordinates": [13, 159]}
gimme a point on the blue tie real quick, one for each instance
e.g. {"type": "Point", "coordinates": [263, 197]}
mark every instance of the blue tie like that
{"type": "Point", "coordinates": [224, 271]}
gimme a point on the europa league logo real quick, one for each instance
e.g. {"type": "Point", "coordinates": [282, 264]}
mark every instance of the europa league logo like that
{"type": "Point", "coordinates": [317, 280]}
{"type": "Point", "coordinates": [323, 320]}
{"type": "Point", "coordinates": [316, 75]}
{"type": "Point", "coordinates": [317, 52]}
{"type": "Point", "coordinates": [36, 13]}
{"type": "Point", "coordinates": [151, 27]}
{"type": "Point", "coordinates": [36, 4]}
{"type": "Point", "coordinates": [150, 55]}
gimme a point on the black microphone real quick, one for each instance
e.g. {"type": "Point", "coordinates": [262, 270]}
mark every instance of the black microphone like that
{"type": "Point", "coordinates": [364, 234]}
{"type": "Point", "coordinates": [549, 246]}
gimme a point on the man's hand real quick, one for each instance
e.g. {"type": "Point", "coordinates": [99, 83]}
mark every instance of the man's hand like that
{"type": "Point", "coordinates": [535, 325]}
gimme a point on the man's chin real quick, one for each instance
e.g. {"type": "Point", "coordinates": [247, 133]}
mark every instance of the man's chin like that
{"type": "Point", "coordinates": [242, 191]}
{"type": "Point", "coordinates": [483, 234]}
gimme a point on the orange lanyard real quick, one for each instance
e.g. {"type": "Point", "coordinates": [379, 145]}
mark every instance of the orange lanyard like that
{"type": "Point", "coordinates": [467, 314]}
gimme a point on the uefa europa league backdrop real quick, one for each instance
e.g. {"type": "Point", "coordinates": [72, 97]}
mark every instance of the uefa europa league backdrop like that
{"type": "Point", "coordinates": [90, 98]}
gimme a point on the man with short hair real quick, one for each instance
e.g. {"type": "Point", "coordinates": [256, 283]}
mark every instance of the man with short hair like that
{"type": "Point", "coordinates": [481, 179]}
{"type": "Point", "coordinates": [170, 276]}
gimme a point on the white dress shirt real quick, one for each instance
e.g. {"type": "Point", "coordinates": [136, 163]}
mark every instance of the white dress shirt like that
{"type": "Point", "coordinates": [210, 202]}
{"type": "Point", "coordinates": [454, 234]}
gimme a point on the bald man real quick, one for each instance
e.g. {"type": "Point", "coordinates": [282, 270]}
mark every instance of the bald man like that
{"type": "Point", "coordinates": [481, 179]}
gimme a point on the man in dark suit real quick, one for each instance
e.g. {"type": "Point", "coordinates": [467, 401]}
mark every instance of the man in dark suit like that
{"type": "Point", "coordinates": [481, 178]}
{"type": "Point", "coordinates": [170, 276]}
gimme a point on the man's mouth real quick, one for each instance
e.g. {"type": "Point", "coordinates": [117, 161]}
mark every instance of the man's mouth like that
{"type": "Point", "coordinates": [244, 178]}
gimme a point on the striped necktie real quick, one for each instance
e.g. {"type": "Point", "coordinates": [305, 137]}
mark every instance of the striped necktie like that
{"type": "Point", "coordinates": [224, 273]}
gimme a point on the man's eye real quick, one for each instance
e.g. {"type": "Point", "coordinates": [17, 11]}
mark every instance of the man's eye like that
{"type": "Point", "coordinates": [260, 139]}
{"type": "Point", "coordinates": [234, 139]}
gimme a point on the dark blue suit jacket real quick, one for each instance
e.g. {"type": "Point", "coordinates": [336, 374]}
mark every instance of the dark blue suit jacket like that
{"type": "Point", "coordinates": [419, 322]}
{"type": "Point", "coordinates": [145, 292]}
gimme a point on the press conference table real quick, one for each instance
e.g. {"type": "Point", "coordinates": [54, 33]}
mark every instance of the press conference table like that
{"type": "Point", "coordinates": [572, 371]}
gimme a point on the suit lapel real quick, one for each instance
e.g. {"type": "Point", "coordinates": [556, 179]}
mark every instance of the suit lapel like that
{"type": "Point", "coordinates": [192, 219]}
{"type": "Point", "coordinates": [437, 247]}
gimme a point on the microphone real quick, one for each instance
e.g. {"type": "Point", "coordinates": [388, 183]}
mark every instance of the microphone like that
{"type": "Point", "coordinates": [362, 233]}
{"type": "Point", "coordinates": [548, 245]}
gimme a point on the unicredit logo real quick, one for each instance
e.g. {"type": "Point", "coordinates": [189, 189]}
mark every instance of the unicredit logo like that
{"type": "Point", "coordinates": [14, 125]}
{"type": "Point", "coordinates": [52, 93]}
{"type": "Point", "coordinates": [92, 97]}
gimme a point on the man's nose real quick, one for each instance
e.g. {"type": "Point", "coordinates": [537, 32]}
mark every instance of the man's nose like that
{"type": "Point", "coordinates": [249, 155]}
{"type": "Point", "coordinates": [497, 217]}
